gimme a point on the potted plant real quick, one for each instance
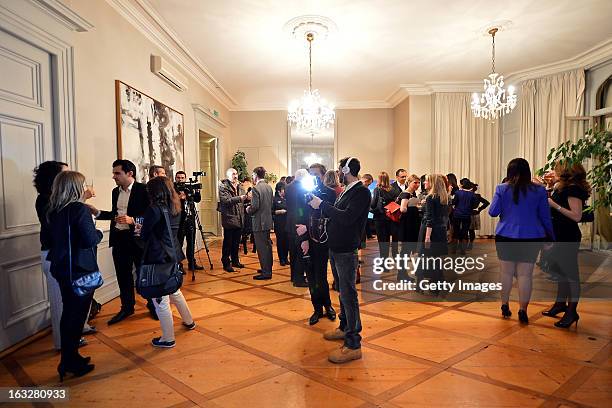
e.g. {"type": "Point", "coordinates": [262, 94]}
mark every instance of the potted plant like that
{"type": "Point", "coordinates": [597, 145]}
{"type": "Point", "coordinates": [240, 164]}
{"type": "Point", "coordinates": [271, 178]}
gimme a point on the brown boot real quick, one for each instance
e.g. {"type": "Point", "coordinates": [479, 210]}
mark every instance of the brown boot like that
{"type": "Point", "coordinates": [344, 355]}
{"type": "Point", "coordinates": [335, 334]}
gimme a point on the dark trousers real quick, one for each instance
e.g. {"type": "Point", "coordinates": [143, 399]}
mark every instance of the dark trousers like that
{"type": "Point", "coordinates": [385, 231]}
{"type": "Point", "coordinates": [264, 251]}
{"type": "Point", "coordinates": [461, 228]}
{"type": "Point", "coordinates": [350, 321]}
{"type": "Point", "coordinates": [127, 256]}
{"type": "Point", "coordinates": [565, 256]}
{"type": "Point", "coordinates": [316, 271]}
{"type": "Point", "coordinates": [74, 313]}
{"type": "Point", "coordinates": [231, 245]}
{"type": "Point", "coordinates": [187, 230]}
{"type": "Point", "coordinates": [282, 244]}
{"type": "Point", "coordinates": [298, 265]}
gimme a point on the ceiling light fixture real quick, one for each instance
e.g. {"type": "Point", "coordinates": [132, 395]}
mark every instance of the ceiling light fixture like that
{"type": "Point", "coordinates": [311, 112]}
{"type": "Point", "coordinates": [494, 101]}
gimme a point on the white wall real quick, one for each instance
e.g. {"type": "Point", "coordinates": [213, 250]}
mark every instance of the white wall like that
{"type": "Point", "coordinates": [510, 135]}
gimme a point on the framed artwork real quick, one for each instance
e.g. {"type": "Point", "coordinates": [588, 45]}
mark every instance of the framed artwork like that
{"type": "Point", "coordinates": [148, 132]}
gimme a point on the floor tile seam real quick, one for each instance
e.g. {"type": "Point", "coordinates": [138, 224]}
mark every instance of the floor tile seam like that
{"type": "Point", "coordinates": [294, 367]}
{"type": "Point", "coordinates": [574, 382]}
{"type": "Point", "coordinates": [410, 383]}
{"type": "Point", "coordinates": [405, 324]}
{"type": "Point", "coordinates": [228, 389]}
{"type": "Point", "coordinates": [508, 386]}
{"type": "Point", "coordinates": [154, 371]}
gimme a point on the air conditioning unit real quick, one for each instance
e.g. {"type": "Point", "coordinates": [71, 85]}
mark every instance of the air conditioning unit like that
{"type": "Point", "coordinates": [168, 73]}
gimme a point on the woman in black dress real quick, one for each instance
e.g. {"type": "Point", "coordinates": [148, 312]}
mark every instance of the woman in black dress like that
{"type": "Point", "coordinates": [279, 212]}
{"type": "Point", "coordinates": [386, 230]}
{"type": "Point", "coordinates": [410, 222]}
{"type": "Point", "coordinates": [569, 196]}
{"type": "Point", "coordinates": [432, 235]}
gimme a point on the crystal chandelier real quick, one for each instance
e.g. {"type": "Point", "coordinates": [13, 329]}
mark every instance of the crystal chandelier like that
{"type": "Point", "coordinates": [494, 101]}
{"type": "Point", "coordinates": [311, 112]}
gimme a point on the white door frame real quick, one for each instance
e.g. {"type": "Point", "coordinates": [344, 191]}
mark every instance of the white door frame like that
{"type": "Point", "coordinates": [206, 122]}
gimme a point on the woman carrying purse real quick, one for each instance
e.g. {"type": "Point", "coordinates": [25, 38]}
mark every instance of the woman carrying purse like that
{"type": "Point", "coordinates": [72, 256]}
{"type": "Point", "coordinates": [159, 240]}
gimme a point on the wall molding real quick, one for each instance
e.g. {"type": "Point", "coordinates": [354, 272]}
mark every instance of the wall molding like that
{"type": "Point", "coordinates": [64, 15]}
{"type": "Point", "coordinates": [142, 15]}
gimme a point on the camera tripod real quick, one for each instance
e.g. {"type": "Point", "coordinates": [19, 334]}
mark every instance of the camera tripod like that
{"type": "Point", "coordinates": [193, 212]}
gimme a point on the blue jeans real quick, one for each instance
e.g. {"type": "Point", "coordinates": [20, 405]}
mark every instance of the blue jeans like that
{"type": "Point", "coordinates": [346, 264]}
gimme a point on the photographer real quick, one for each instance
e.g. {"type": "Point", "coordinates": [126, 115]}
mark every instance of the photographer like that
{"type": "Point", "coordinates": [187, 227]}
{"type": "Point", "coordinates": [316, 268]}
{"type": "Point", "coordinates": [347, 218]}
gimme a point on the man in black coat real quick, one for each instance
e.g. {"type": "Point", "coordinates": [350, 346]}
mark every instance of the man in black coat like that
{"type": "Point", "coordinates": [297, 214]}
{"type": "Point", "coordinates": [129, 200]}
{"type": "Point", "coordinates": [347, 218]}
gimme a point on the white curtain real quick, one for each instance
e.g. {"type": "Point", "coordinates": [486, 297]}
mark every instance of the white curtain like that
{"type": "Point", "coordinates": [546, 102]}
{"type": "Point", "coordinates": [466, 146]}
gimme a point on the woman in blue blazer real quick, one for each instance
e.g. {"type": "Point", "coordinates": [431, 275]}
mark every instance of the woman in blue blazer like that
{"type": "Point", "coordinates": [69, 217]}
{"type": "Point", "coordinates": [524, 225]}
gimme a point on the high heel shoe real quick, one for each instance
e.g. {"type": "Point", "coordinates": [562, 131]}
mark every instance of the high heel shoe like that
{"type": "Point", "coordinates": [522, 314]}
{"type": "Point", "coordinates": [77, 371]}
{"type": "Point", "coordinates": [506, 313]}
{"type": "Point", "coordinates": [555, 310]}
{"type": "Point", "coordinates": [567, 320]}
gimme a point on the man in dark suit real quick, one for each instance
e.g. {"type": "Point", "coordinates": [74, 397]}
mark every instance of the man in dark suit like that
{"type": "Point", "coordinates": [400, 185]}
{"type": "Point", "coordinates": [347, 218]}
{"type": "Point", "coordinates": [261, 212]}
{"type": "Point", "coordinates": [129, 200]}
{"type": "Point", "coordinates": [296, 215]}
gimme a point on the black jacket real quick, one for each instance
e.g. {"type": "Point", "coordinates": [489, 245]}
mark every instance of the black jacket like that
{"type": "Point", "coordinates": [154, 234]}
{"type": "Point", "coordinates": [84, 239]}
{"type": "Point", "coordinates": [42, 204]}
{"type": "Point", "coordinates": [137, 205]}
{"type": "Point", "coordinates": [280, 220]}
{"type": "Point", "coordinates": [347, 218]}
{"type": "Point", "coordinates": [297, 213]}
{"type": "Point", "coordinates": [380, 198]}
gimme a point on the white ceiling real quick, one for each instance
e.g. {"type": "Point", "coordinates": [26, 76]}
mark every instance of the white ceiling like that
{"type": "Point", "coordinates": [379, 45]}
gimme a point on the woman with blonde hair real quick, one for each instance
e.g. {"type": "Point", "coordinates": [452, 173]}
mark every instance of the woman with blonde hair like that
{"type": "Point", "coordinates": [385, 228]}
{"type": "Point", "coordinates": [73, 232]}
{"type": "Point", "coordinates": [331, 180]}
{"type": "Point", "coordinates": [432, 235]}
{"type": "Point", "coordinates": [570, 193]}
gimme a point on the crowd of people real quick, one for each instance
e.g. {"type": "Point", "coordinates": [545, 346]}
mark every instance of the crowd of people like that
{"type": "Point", "coordinates": [319, 217]}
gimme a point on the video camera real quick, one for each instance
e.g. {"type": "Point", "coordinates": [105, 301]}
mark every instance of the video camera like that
{"type": "Point", "coordinates": [312, 186]}
{"type": "Point", "coordinates": [191, 188]}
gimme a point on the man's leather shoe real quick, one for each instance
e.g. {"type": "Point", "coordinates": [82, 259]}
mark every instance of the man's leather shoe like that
{"type": "Point", "coordinates": [196, 267]}
{"type": "Point", "coordinates": [314, 319]}
{"type": "Point", "coordinates": [123, 314]}
{"type": "Point", "coordinates": [228, 268]}
{"type": "Point", "coordinates": [335, 334]}
{"type": "Point", "coordinates": [262, 276]}
{"type": "Point", "coordinates": [300, 284]}
{"type": "Point", "coordinates": [344, 355]}
{"type": "Point", "coordinates": [330, 313]}
{"type": "Point", "coordinates": [238, 265]}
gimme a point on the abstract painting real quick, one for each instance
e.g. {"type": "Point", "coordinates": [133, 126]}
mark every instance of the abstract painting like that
{"type": "Point", "coordinates": [148, 132]}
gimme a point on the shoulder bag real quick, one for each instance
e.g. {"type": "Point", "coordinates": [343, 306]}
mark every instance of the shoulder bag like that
{"type": "Point", "coordinates": [85, 284]}
{"type": "Point", "coordinates": [157, 280]}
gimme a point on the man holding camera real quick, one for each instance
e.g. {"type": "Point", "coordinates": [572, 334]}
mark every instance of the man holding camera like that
{"type": "Point", "coordinates": [187, 227]}
{"type": "Point", "coordinates": [261, 212]}
{"type": "Point", "coordinates": [347, 218]}
{"type": "Point", "coordinates": [318, 251]}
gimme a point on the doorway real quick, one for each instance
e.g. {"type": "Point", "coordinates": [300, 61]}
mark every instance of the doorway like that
{"type": "Point", "coordinates": [208, 164]}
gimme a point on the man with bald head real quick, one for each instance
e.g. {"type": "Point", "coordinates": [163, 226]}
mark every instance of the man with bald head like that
{"type": "Point", "coordinates": [231, 206]}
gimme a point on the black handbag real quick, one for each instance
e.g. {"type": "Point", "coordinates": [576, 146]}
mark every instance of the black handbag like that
{"type": "Point", "coordinates": [157, 280]}
{"type": "Point", "coordinates": [87, 283]}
